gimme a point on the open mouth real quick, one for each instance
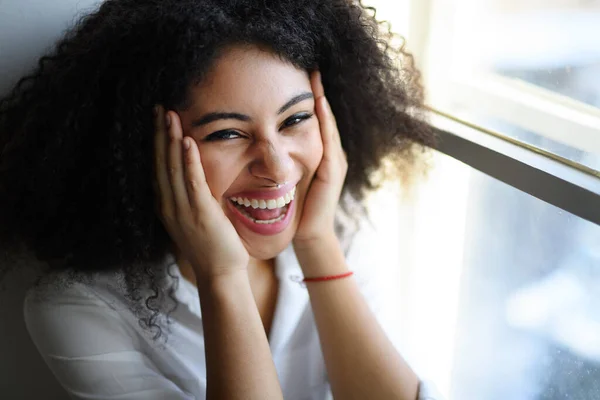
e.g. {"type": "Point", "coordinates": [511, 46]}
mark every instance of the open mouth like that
{"type": "Point", "coordinates": [261, 211]}
{"type": "Point", "coordinates": [264, 216]}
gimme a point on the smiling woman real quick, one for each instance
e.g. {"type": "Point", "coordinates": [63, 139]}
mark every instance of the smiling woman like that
{"type": "Point", "coordinates": [253, 120]}
{"type": "Point", "coordinates": [173, 163]}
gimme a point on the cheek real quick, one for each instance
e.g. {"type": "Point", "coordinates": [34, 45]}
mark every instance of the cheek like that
{"type": "Point", "coordinates": [218, 171]}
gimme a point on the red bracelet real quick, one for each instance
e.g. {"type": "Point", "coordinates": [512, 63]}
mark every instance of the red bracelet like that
{"type": "Point", "coordinates": [328, 278]}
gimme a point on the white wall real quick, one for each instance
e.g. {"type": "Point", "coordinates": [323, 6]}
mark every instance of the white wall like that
{"type": "Point", "coordinates": [28, 28]}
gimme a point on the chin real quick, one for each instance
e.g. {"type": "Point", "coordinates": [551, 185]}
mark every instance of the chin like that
{"type": "Point", "coordinates": [266, 248]}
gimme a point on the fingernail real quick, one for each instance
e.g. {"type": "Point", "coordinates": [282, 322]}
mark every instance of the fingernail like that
{"type": "Point", "coordinates": [155, 110]}
{"type": "Point", "coordinates": [168, 120]}
{"type": "Point", "coordinates": [186, 143]}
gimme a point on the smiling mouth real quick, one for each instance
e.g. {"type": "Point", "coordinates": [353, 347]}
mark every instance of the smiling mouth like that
{"type": "Point", "coordinates": [282, 212]}
{"type": "Point", "coordinates": [264, 211]}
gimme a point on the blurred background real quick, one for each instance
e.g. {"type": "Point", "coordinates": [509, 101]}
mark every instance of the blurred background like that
{"type": "Point", "coordinates": [500, 289]}
{"type": "Point", "coordinates": [28, 28]}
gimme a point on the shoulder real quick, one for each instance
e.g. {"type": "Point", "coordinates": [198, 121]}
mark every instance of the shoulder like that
{"type": "Point", "coordinates": [94, 347]}
{"type": "Point", "coordinates": [68, 318]}
{"type": "Point", "coordinates": [53, 292]}
{"type": "Point", "coordinates": [67, 289]}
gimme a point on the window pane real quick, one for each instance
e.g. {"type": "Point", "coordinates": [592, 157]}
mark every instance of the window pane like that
{"type": "Point", "coordinates": [502, 295]}
{"type": "Point", "coordinates": [553, 44]}
{"type": "Point", "coordinates": [529, 300]}
{"type": "Point", "coordinates": [527, 69]}
{"type": "Point", "coordinates": [585, 158]}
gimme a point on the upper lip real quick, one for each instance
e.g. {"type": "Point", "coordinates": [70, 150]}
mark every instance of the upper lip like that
{"type": "Point", "coordinates": [265, 194]}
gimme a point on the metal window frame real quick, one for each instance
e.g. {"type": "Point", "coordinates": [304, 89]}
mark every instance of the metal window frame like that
{"type": "Point", "coordinates": [564, 184]}
{"type": "Point", "coordinates": [527, 106]}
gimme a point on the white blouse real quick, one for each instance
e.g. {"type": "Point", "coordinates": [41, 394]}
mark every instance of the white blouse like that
{"type": "Point", "coordinates": [96, 348]}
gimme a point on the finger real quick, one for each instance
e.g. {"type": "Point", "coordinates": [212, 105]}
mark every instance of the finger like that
{"type": "Point", "coordinates": [197, 188]}
{"type": "Point", "coordinates": [329, 131]}
{"type": "Point", "coordinates": [162, 187]}
{"type": "Point", "coordinates": [334, 133]}
{"type": "Point", "coordinates": [175, 163]}
{"type": "Point", "coordinates": [317, 85]}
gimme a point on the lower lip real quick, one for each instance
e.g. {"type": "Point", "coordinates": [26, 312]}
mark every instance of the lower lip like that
{"type": "Point", "coordinates": [265, 229]}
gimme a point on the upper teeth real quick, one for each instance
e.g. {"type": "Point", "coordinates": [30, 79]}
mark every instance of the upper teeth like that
{"type": "Point", "coordinates": [266, 204]}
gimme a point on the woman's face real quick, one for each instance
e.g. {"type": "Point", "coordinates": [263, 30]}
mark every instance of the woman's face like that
{"type": "Point", "coordinates": [254, 121]}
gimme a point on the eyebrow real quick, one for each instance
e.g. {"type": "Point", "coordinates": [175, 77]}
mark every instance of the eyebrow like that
{"type": "Point", "coordinates": [214, 116]}
{"type": "Point", "coordinates": [295, 100]}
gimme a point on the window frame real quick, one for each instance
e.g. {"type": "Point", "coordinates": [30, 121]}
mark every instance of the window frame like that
{"type": "Point", "coordinates": [563, 183]}
{"type": "Point", "coordinates": [568, 186]}
{"type": "Point", "coordinates": [524, 105]}
{"type": "Point", "coordinates": [532, 108]}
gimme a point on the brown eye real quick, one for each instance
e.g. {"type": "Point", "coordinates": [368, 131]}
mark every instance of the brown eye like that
{"type": "Point", "coordinates": [222, 135]}
{"type": "Point", "coordinates": [296, 119]}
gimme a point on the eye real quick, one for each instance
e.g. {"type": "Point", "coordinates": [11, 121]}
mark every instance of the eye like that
{"type": "Point", "coordinates": [296, 119]}
{"type": "Point", "coordinates": [222, 135]}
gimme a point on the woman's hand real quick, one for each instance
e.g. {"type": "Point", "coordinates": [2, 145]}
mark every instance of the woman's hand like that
{"type": "Point", "coordinates": [191, 215]}
{"type": "Point", "coordinates": [317, 222]}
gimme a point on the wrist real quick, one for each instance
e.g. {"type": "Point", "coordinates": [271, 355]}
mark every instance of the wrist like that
{"type": "Point", "coordinates": [316, 244]}
{"type": "Point", "coordinates": [222, 282]}
{"type": "Point", "coordinates": [321, 257]}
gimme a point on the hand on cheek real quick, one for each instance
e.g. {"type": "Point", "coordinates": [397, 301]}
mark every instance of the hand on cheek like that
{"type": "Point", "coordinates": [320, 204]}
{"type": "Point", "coordinates": [191, 215]}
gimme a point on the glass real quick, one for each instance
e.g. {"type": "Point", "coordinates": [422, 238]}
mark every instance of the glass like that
{"type": "Point", "coordinates": [530, 301]}
{"type": "Point", "coordinates": [552, 45]}
{"type": "Point", "coordinates": [501, 297]}
{"type": "Point", "coordinates": [585, 158]}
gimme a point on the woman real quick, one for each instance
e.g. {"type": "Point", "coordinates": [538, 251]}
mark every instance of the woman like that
{"type": "Point", "coordinates": [173, 163]}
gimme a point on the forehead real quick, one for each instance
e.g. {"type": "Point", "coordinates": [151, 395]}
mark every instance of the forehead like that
{"type": "Point", "coordinates": [248, 78]}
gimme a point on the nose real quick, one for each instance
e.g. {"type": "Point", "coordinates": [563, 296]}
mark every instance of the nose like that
{"type": "Point", "coordinates": [272, 162]}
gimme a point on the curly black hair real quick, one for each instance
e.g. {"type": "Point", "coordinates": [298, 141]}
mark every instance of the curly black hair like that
{"type": "Point", "coordinates": [76, 135]}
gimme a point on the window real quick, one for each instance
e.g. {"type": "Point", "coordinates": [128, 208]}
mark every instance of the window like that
{"type": "Point", "coordinates": [527, 69]}
{"type": "Point", "coordinates": [499, 258]}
